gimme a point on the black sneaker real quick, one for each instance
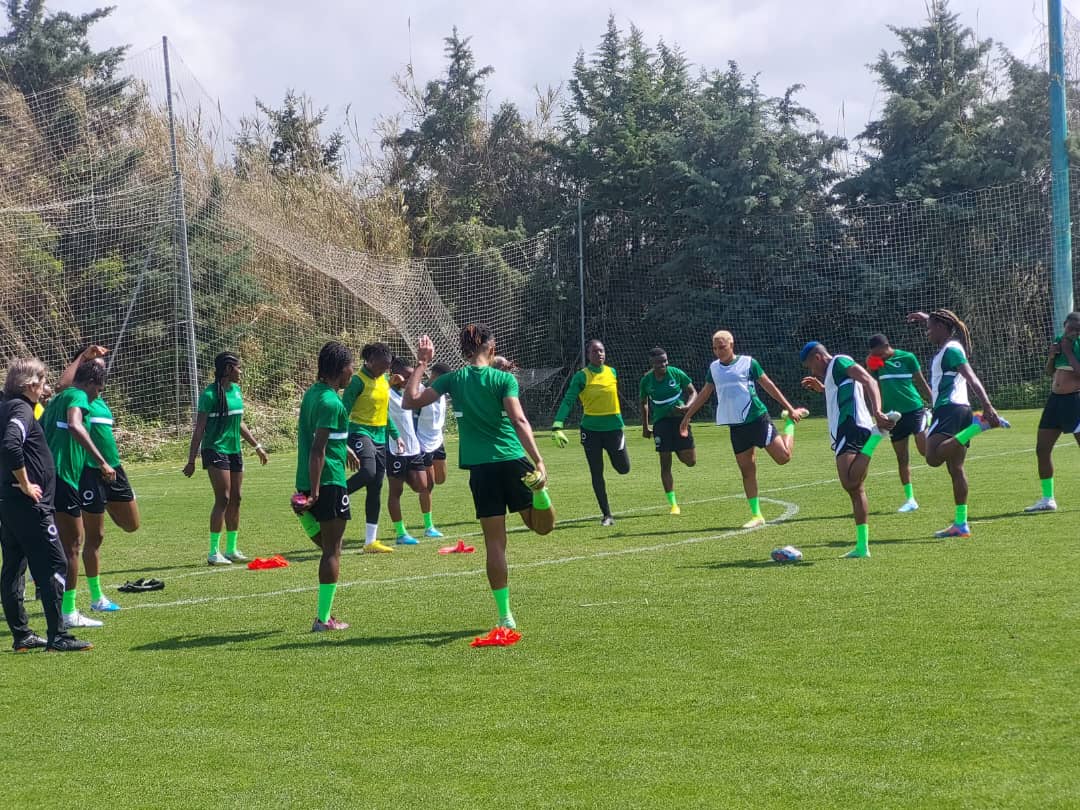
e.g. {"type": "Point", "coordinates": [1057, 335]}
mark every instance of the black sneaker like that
{"type": "Point", "coordinates": [67, 643]}
{"type": "Point", "coordinates": [29, 642]}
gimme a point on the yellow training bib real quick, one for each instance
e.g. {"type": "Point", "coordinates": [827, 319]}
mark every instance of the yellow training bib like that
{"type": "Point", "coordinates": [372, 405]}
{"type": "Point", "coordinates": [600, 396]}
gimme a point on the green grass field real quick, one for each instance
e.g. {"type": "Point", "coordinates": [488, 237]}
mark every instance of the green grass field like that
{"type": "Point", "coordinates": [665, 663]}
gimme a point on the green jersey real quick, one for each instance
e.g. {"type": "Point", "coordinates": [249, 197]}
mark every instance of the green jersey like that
{"type": "Point", "coordinates": [322, 408]}
{"type": "Point", "coordinates": [486, 433]}
{"type": "Point", "coordinates": [598, 389]}
{"type": "Point", "coordinates": [844, 397]}
{"type": "Point", "coordinates": [665, 394]}
{"type": "Point", "coordinates": [946, 383]}
{"type": "Point", "coordinates": [68, 454]}
{"type": "Point", "coordinates": [99, 423]}
{"type": "Point", "coordinates": [222, 421]}
{"type": "Point", "coordinates": [1061, 361]}
{"type": "Point", "coordinates": [896, 378]}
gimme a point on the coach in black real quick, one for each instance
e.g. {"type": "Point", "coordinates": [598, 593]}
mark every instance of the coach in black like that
{"type": "Point", "coordinates": [27, 532]}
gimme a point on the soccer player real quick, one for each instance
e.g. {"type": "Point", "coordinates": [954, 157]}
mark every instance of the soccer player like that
{"type": "Point", "coordinates": [664, 393]}
{"type": "Point", "coordinates": [98, 495]}
{"type": "Point", "coordinates": [495, 437]}
{"type": "Point", "coordinates": [953, 425]}
{"type": "Point", "coordinates": [853, 406]}
{"type": "Point", "coordinates": [27, 531]}
{"type": "Point", "coordinates": [903, 390]}
{"type": "Point", "coordinates": [1062, 411]}
{"type": "Point", "coordinates": [367, 399]}
{"type": "Point", "coordinates": [430, 425]}
{"type": "Point", "coordinates": [64, 424]}
{"type": "Point", "coordinates": [597, 387]}
{"type": "Point", "coordinates": [735, 379]}
{"type": "Point", "coordinates": [322, 455]}
{"type": "Point", "coordinates": [219, 427]}
{"type": "Point", "coordinates": [407, 467]}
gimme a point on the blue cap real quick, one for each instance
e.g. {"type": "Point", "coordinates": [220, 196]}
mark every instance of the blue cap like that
{"type": "Point", "coordinates": [804, 352]}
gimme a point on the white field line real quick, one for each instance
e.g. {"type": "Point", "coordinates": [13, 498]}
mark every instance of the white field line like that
{"type": "Point", "coordinates": [638, 510]}
{"type": "Point", "coordinates": [790, 510]}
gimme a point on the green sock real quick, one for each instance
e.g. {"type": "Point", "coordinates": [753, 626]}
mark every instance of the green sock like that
{"type": "Point", "coordinates": [1047, 486]}
{"type": "Point", "coordinates": [862, 538]}
{"type": "Point", "coordinates": [961, 513]}
{"type": "Point", "coordinates": [215, 542]}
{"type": "Point", "coordinates": [965, 435]}
{"type": "Point", "coordinates": [502, 601]}
{"type": "Point", "coordinates": [541, 499]}
{"type": "Point", "coordinates": [399, 528]}
{"type": "Point", "coordinates": [230, 541]}
{"type": "Point", "coordinates": [871, 444]}
{"type": "Point", "coordinates": [69, 602]}
{"type": "Point", "coordinates": [909, 492]}
{"type": "Point", "coordinates": [326, 600]}
{"type": "Point", "coordinates": [429, 522]}
{"type": "Point", "coordinates": [789, 427]}
{"type": "Point", "coordinates": [755, 507]}
{"type": "Point", "coordinates": [94, 584]}
{"type": "Point", "coordinates": [671, 497]}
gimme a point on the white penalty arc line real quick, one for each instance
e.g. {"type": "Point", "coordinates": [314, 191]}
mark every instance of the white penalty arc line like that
{"type": "Point", "coordinates": [645, 509]}
{"type": "Point", "coordinates": [790, 510]}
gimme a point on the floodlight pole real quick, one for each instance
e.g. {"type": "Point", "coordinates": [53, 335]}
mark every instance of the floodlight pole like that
{"type": "Point", "coordinates": [182, 239]}
{"type": "Point", "coordinates": [581, 281]}
{"type": "Point", "coordinates": [1061, 224]}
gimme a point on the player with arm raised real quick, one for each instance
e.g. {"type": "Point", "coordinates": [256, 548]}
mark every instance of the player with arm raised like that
{"type": "Point", "coordinates": [953, 424]}
{"type": "Point", "coordinates": [735, 379]}
{"type": "Point", "coordinates": [597, 387]}
{"type": "Point", "coordinates": [495, 445]}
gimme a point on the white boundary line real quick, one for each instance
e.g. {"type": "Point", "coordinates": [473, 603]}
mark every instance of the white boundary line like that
{"type": "Point", "coordinates": [636, 510]}
{"type": "Point", "coordinates": [790, 510]}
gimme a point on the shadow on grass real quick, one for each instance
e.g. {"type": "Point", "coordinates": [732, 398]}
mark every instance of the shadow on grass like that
{"type": "Point", "coordinates": [196, 642]}
{"type": "Point", "coordinates": [891, 541]}
{"type": "Point", "coordinates": [720, 566]}
{"type": "Point", "coordinates": [437, 639]}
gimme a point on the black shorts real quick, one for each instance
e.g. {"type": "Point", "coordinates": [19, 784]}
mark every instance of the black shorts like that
{"type": "Point", "coordinates": [96, 492]}
{"type": "Point", "coordinates": [497, 487]}
{"type": "Point", "coordinates": [233, 462]}
{"type": "Point", "coordinates": [399, 466]}
{"type": "Point", "coordinates": [333, 504]}
{"type": "Point", "coordinates": [68, 500]}
{"type": "Point", "coordinates": [667, 438]}
{"type": "Point", "coordinates": [758, 433]}
{"type": "Point", "coordinates": [366, 447]}
{"type": "Point", "coordinates": [431, 456]}
{"type": "Point", "coordinates": [849, 438]}
{"type": "Point", "coordinates": [948, 420]}
{"type": "Point", "coordinates": [908, 424]}
{"type": "Point", "coordinates": [611, 441]}
{"type": "Point", "coordinates": [1062, 412]}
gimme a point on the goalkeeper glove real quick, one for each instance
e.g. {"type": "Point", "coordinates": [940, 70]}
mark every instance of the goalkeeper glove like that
{"type": "Point", "coordinates": [558, 436]}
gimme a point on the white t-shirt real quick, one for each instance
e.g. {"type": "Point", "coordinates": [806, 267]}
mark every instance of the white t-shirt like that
{"type": "Point", "coordinates": [403, 421]}
{"type": "Point", "coordinates": [430, 425]}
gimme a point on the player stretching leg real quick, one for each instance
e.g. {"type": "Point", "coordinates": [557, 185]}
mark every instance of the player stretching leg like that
{"type": "Point", "coordinates": [853, 406]}
{"type": "Point", "coordinates": [495, 437]}
{"type": "Point", "coordinates": [408, 467]}
{"type": "Point", "coordinates": [735, 378]}
{"type": "Point", "coordinates": [903, 390]}
{"type": "Point", "coordinates": [1062, 411]}
{"type": "Point", "coordinates": [953, 425]}
{"type": "Point", "coordinates": [664, 393]}
{"type": "Point", "coordinates": [597, 387]}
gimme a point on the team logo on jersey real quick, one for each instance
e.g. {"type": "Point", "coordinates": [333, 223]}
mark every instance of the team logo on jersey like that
{"type": "Point", "coordinates": [896, 364]}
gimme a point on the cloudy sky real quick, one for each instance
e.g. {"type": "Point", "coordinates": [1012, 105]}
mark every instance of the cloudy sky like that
{"type": "Point", "coordinates": [345, 53]}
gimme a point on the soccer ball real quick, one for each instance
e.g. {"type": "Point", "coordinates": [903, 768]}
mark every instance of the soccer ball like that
{"type": "Point", "coordinates": [787, 554]}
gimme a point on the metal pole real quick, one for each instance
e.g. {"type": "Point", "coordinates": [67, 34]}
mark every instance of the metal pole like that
{"type": "Point", "coordinates": [1061, 228]}
{"type": "Point", "coordinates": [181, 237]}
{"type": "Point", "coordinates": [581, 279]}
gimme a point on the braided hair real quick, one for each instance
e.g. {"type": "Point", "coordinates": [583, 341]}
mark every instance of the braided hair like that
{"type": "Point", "coordinates": [222, 363]}
{"type": "Point", "coordinates": [957, 328]}
{"type": "Point", "coordinates": [474, 337]}
{"type": "Point", "coordinates": [333, 358]}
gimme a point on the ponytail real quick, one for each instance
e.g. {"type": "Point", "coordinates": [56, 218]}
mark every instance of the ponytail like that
{"type": "Point", "coordinates": [222, 363]}
{"type": "Point", "coordinates": [957, 328]}
{"type": "Point", "coordinates": [474, 337]}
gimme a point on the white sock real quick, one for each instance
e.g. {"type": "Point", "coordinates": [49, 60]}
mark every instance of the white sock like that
{"type": "Point", "coordinates": [372, 533]}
